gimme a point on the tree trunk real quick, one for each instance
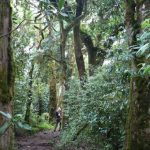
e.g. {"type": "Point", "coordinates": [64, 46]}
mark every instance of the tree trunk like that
{"type": "Point", "coordinates": [29, 100]}
{"type": "Point", "coordinates": [53, 95]}
{"type": "Point", "coordinates": [138, 132]}
{"type": "Point", "coordinates": [63, 40]}
{"type": "Point", "coordinates": [77, 41]}
{"type": "Point", "coordinates": [63, 75]}
{"type": "Point", "coordinates": [95, 55]}
{"type": "Point", "coordinates": [40, 111]}
{"type": "Point", "coordinates": [40, 102]}
{"type": "Point", "coordinates": [6, 73]}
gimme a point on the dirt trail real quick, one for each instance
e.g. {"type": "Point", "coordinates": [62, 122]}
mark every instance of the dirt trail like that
{"type": "Point", "coordinates": [45, 140]}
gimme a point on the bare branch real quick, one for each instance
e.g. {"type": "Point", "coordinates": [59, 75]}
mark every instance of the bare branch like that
{"type": "Point", "coordinates": [58, 61]}
{"type": "Point", "coordinates": [77, 19]}
{"type": "Point", "coordinates": [73, 23]}
{"type": "Point", "coordinates": [1, 36]}
{"type": "Point", "coordinates": [42, 34]}
{"type": "Point", "coordinates": [30, 3]}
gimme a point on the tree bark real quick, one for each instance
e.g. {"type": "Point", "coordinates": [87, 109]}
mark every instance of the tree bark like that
{"type": "Point", "coordinates": [40, 111]}
{"type": "Point", "coordinates": [63, 40]}
{"type": "Point", "coordinates": [77, 41]}
{"type": "Point", "coordinates": [6, 73]}
{"type": "Point", "coordinates": [29, 100]}
{"type": "Point", "coordinates": [53, 95]}
{"type": "Point", "coordinates": [40, 101]}
{"type": "Point", "coordinates": [96, 55]}
{"type": "Point", "coordinates": [138, 126]}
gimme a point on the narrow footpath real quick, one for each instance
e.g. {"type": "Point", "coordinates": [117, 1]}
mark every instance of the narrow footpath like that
{"type": "Point", "coordinates": [45, 140]}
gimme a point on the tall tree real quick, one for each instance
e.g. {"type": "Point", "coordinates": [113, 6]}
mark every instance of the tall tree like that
{"type": "Point", "coordinates": [53, 94]}
{"type": "Point", "coordinates": [6, 73]}
{"type": "Point", "coordinates": [29, 98]}
{"type": "Point", "coordinates": [77, 40]}
{"type": "Point", "coordinates": [138, 134]}
{"type": "Point", "coordinates": [40, 100]}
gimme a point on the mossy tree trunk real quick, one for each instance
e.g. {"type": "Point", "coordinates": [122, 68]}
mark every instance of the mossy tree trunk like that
{"type": "Point", "coordinates": [40, 104]}
{"type": "Point", "coordinates": [6, 73]}
{"type": "Point", "coordinates": [63, 74]}
{"type": "Point", "coordinates": [52, 94]}
{"type": "Point", "coordinates": [138, 127]}
{"type": "Point", "coordinates": [92, 51]}
{"type": "Point", "coordinates": [63, 40]}
{"type": "Point", "coordinates": [96, 55]}
{"type": "Point", "coordinates": [29, 99]}
{"type": "Point", "coordinates": [40, 99]}
{"type": "Point", "coordinates": [77, 41]}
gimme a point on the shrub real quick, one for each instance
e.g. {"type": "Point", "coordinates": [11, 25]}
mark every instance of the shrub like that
{"type": "Point", "coordinates": [97, 111]}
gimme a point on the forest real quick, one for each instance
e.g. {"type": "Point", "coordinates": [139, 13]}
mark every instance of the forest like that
{"type": "Point", "coordinates": [74, 74]}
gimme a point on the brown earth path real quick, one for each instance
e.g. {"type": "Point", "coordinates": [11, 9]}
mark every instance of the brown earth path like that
{"type": "Point", "coordinates": [44, 140]}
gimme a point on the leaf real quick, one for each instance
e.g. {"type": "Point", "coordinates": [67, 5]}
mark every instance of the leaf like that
{"type": "Point", "coordinates": [4, 127]}
{"type": "Point", "coordinates": [147, 70]}
{"type": "Point", "coordinates": [24, 126]}
{"type": "Point", "coordinates": [54, 11]}
{"type": "Point", "coordinates": [146, 23]}
{"type": "Point", "coordinates": [148, 56]}
{"type": "Point", "coordinates": [7, 115]}
{"type": "Point", "coordinates": [18, 115]}
{"type": "Point", "coordinates": [63, 14]}
{"type": "Point", "coordinates": [143, 49]}
{"type": "Point", "coordinates": [61, 4]}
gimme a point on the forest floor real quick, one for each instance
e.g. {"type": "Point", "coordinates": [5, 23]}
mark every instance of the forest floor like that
{"type": "Point", "coordinates": [44, 140]}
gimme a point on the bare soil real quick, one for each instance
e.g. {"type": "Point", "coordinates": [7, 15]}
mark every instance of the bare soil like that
{"type": "Point", "coordinates": [45, 140]}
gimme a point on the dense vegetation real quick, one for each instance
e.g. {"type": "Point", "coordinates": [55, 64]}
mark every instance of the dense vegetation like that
{"type": "Point", "coordinates": [89, 57]}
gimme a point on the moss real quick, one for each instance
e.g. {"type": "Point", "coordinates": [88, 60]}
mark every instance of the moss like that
{"type": "Point", "coordinates": [5, 76]}
{"type": "Point", "coordinates": [41, 127]}
{"type": "Point", "coordinates": [138, 118]}
{"type": "Point", "coordinates": [45, 126]}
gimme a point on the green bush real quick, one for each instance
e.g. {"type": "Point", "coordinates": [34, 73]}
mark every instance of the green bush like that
{"type": "Point", "coordinates": [97, 111]}
{"type": "Point", "coordinates": [44, 126]}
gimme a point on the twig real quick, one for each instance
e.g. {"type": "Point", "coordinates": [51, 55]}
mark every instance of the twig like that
{"type": "Point", "coordinates": [12, 30]}
{"type": "Point", "coordinates": [30, 3]}
{"type": "Point", "coordinates": [42, 34]}
{"type": "Point", "coordinates": [58, 61]}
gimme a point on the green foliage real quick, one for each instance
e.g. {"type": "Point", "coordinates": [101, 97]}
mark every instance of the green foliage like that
{"type": "Point", "coordinates": [143, 52]}
{"type": "Point", "coordinates": [23, 126]}
{"type": "Point", "coordinates": [39, 123]}
{"type": "Point", "coordinates": [101, 104]}
{"type": "Point", "coordinates": [96, 111]}
{"type": "Point", "coordinates": [147, 70]}
{"type": "Point", "coordinates": [7, 115]}
{"type": "Point", "coordinates": [104, 20]}
{"type": "Point", "coordinates": [7, 124]}
{"type": "Point", "coordinates": [144, 48]}
{"type": "Point", "coordinates": [44, 126]}
{"type": "Point", "coordinates": [146, 24]}
{"type": "Point", "coordinates": [61, 4]}
{"type": "Point", "coordinates": [15, 121]}
{"type": "Point", "coordinates": [4, 127]}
